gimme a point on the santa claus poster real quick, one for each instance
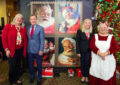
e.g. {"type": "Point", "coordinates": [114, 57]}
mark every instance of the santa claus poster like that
{"type": "Point", "coordinates": [45, 15]}
{"type": "Point", "coordinates": [69, 17]}
{"type": "Point", "coordinates": [48, 53]}
{"type": "Point", "coordinates": [67, 52]}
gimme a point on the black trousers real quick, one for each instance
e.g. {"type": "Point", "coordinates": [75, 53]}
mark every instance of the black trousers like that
{"type": "Point", "coordinates": [85, 63]}
{"type": "Point", "coordinates": [14, 66]}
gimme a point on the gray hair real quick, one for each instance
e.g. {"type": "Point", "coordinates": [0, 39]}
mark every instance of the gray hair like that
{"type": "Point", "coordinates": [99, 25]}
{"type": "Point", "coordinates": [17, 15]}
{"type": "Point", "coordinates": [45, 8]}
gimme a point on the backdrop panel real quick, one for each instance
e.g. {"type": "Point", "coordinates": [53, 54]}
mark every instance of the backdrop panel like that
{"type": "Point", "coordinates": [60, 20]}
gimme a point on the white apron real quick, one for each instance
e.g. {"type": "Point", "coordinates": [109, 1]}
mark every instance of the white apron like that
{"type": "Point", "coordinates": [103, 69]}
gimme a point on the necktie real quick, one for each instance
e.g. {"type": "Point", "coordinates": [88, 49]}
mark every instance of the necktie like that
{"type": "Point", "coordinates": [32, 31]}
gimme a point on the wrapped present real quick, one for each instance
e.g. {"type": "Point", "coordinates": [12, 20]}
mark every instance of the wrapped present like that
{"type": "Point", "coordinates": [47, 73]}
{"type": "Point", "coordinates": [70, 72]}
{"type": "Point", "coordinates": [79, 74]}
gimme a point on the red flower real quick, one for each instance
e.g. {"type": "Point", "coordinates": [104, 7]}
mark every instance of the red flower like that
{"type": "Point", "coordinates": [108, 1]}
{"type": "Point", "coordinates": [103, 15]}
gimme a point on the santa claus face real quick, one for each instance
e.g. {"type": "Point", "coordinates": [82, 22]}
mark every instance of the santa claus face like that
{"type": "Point", "coordinates": [67, 45]}
{"type": "Point", "coordinates": [45, 13]}
{"type": "Point", "coordinates": [67, 13]}
{"type": "Point", "coordinates": [87, 24]}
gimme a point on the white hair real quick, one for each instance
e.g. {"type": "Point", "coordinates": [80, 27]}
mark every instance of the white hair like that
{"type": "Point", "coordinates": [18, 15]}
{"type": "Point", "coordinates": [99, 25]}
{"type": "Point", "coordinates": [46, 8]}
{"type": "Point", "coordinates": [71, 40]}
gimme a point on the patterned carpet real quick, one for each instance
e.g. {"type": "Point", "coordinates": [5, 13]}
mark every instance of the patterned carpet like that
{"type": "Point", "coordinates": [62, 80]}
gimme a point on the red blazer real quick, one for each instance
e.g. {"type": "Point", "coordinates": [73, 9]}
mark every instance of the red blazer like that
{"type": "Point", "coordinates": [9, 36]}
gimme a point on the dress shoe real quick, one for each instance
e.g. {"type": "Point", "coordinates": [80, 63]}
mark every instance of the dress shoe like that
{"type": "Point", "coordinates": [31, 80]}
{"type": "Point", "coordinates": [87, 80]}
{"type": "Point", "coordinates": [39, 82]}
{"type": "Point", "coordinates": [83, 80]}
{"type": "Point", "coordinates": [19, 82]}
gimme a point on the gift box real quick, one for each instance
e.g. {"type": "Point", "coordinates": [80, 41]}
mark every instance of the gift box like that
{"type": "Point", "coordinates": [47, 72]}
{"type": "Point", "coordinates": [79, 74]}
{"type": "Point", "coordinates": [70, 72]}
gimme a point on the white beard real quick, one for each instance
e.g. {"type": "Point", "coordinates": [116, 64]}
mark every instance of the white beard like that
{"type": "Point", "coordinates": [46, 50]}
{"type": "Point", "coordinates": [52, 48]}
{"type": "Point", "coordinates": [47, 23]}
{"type": "Point", "coordinates": [71, 22]}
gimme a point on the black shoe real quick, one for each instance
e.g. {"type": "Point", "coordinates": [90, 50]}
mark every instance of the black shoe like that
{"type": "Point", "coordinates": [39, 82]}
{"type": "Point", "coordinates": [87, 83]}
{"type": "Point", "coordinates": [31, 80]}
{"type": "Point", "coordinates": [83, 82]}
{"type": "Point", "coordinates": [18, 82]}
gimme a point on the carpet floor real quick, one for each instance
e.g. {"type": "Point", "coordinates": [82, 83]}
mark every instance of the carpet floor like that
{"type": "Point", "coordinates": [63, 79]}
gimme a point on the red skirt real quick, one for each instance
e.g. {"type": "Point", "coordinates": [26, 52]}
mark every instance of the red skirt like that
{"type": "Point", "coordinates": [97, 81]}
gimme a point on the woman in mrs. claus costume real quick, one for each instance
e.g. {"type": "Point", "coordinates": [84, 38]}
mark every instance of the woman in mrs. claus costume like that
{"type": "Point", "coordinates": [103, 60]}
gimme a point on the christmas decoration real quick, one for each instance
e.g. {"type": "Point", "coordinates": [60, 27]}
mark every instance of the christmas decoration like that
{"type": "Point", "coordinates": [79, 73]}
{"type": "Point", "coordinates": [47, 72]}
{"type": "Point", "coordinates": [70, 73]}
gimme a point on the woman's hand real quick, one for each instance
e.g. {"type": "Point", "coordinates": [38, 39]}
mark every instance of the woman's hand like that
{"type": "Point", "coordinates": [8, 53]}
{"type": "Point", "coordinates": [102, 55]}
{"type": "Point", "coordinates": [107, 52]}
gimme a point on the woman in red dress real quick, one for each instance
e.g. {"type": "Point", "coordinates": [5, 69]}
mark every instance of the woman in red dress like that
{"type": "Point", "coordinates": [14, 40]}
{"type": "Point", "coordinates": [103, 60]}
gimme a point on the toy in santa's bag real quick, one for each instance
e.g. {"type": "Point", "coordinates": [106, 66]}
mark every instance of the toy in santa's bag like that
{"type": "Point", "coordinates": [47, 72]}
{"type": "Point", "coordinates": [79, 74]}
{"type": "Point", "coordinates": [70, 72]}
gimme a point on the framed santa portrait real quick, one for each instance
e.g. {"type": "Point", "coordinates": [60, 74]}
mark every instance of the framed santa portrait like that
{"type": "Point", "coordinates": [67, 52]}
{"type": "Point", "coordinates": [45, 15]}
{"type": "Point", "coordinates": [69, 17]}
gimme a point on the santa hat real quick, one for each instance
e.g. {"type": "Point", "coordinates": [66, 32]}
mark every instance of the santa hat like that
{"type": "Point", "coordinates": [71, 40]}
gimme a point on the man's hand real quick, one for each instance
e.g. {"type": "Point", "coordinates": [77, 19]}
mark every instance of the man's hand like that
{"type": "Point", "coordinates": [40, 53]}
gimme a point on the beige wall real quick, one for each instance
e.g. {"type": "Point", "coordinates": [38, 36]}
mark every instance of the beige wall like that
{"type": "Point", "coordinates": [3, 10]}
